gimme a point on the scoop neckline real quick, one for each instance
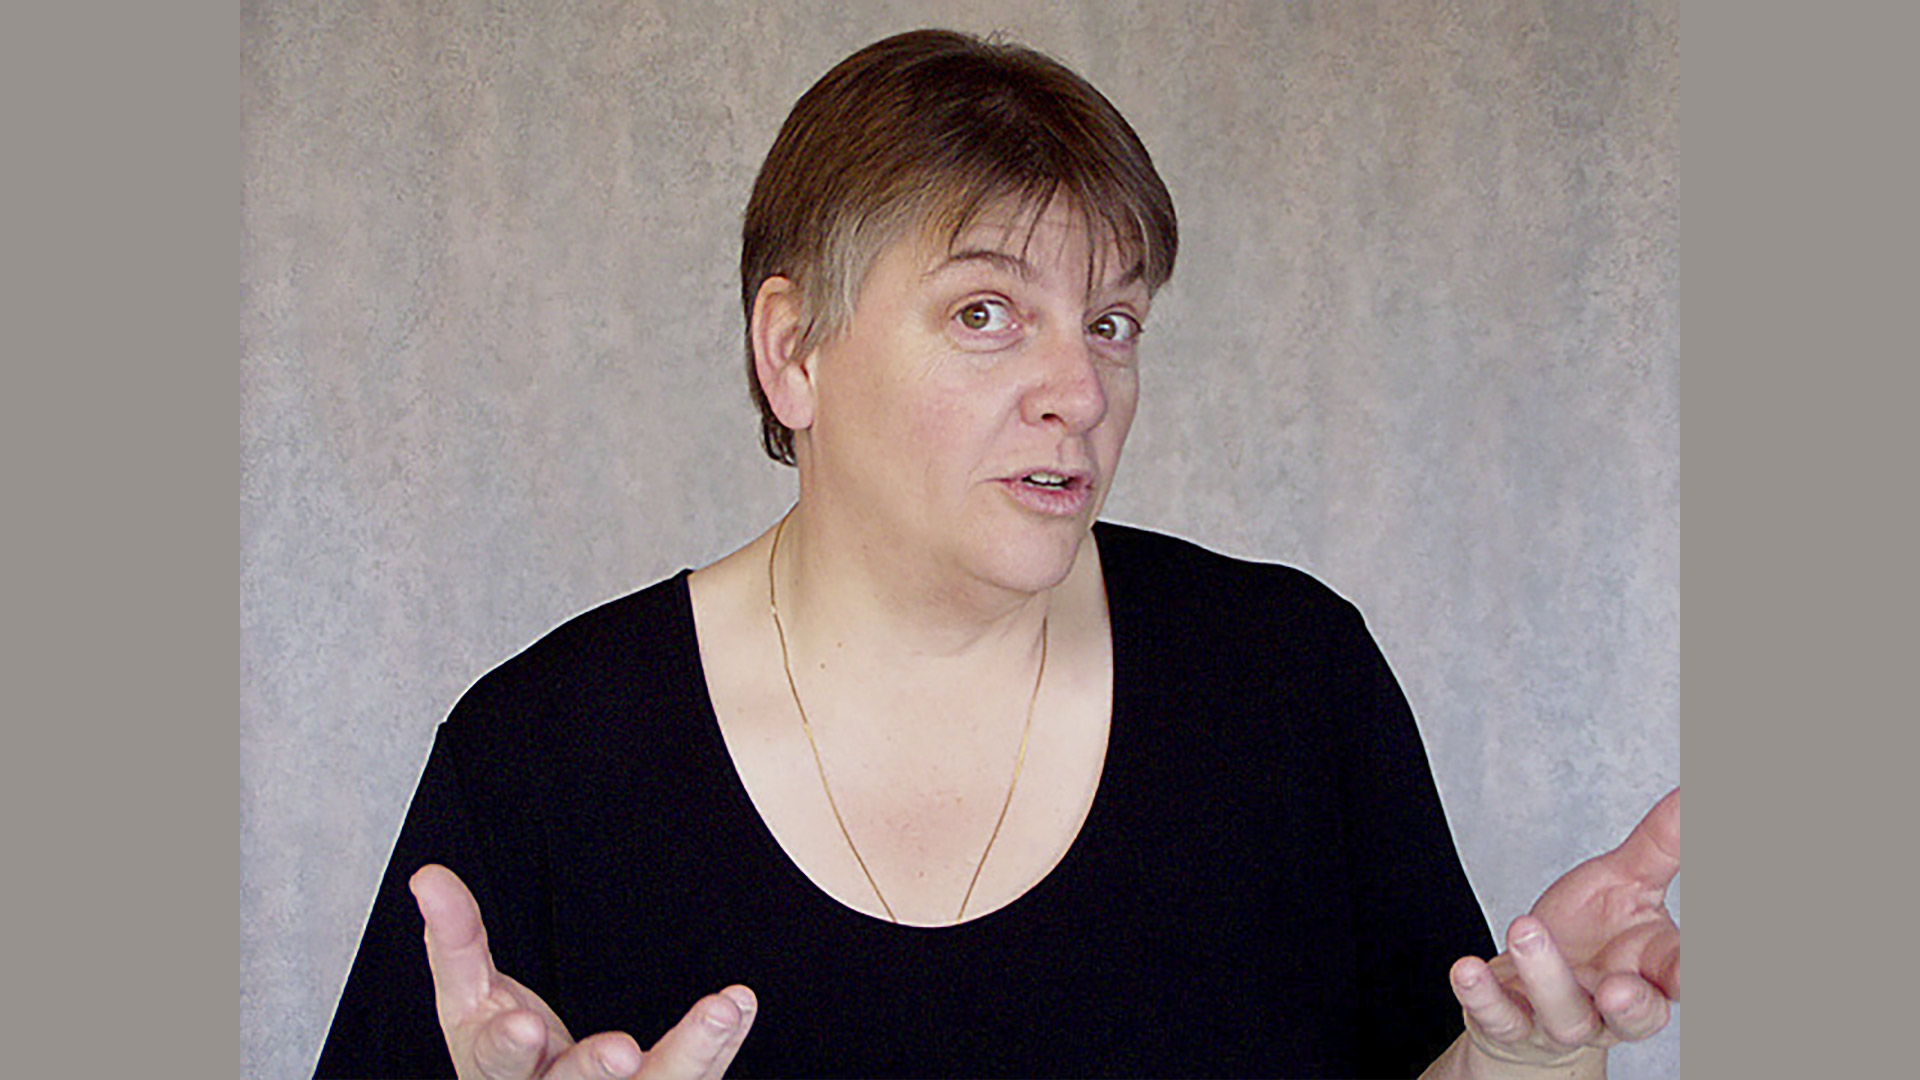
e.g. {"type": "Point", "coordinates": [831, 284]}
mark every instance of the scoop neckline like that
{"type": "Point", "coordinates": [1030, 903]}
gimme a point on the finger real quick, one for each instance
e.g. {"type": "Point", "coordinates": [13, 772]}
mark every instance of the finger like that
{"type": "Point", "coordinates": [1561, 1007]}
{"type": "Point", "coordinates": [1651, 853]}
{"type": "Point", "coordinates": [703, 1043]}
{"type": "Point", "coordinates": [456, 941]}
{"type": "Point", "coordinates": [510, 1046]}
{"type": "Point", "coordinates": [611, 1055]}
{"type": "Point", "coordinates": [1660, 961]}
{"type": "Point", "coordinates": [1633, 1008]}
{"type": "Point", "coordinates": [1486, 1003]}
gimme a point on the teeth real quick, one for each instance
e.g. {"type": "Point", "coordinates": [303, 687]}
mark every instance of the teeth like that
{"type": "Point", "coordinates": [1047, 479]}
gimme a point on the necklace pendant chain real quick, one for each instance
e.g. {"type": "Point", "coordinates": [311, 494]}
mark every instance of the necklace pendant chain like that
{"type": "Point", "coordinates": [1019, 761]}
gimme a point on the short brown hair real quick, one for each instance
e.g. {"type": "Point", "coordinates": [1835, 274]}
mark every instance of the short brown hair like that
{"type": "Point", "coordinates": [928, 129]}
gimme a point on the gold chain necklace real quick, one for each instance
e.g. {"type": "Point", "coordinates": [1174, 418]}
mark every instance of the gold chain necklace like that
{"type": "Point", "coordinates": [786, 664]}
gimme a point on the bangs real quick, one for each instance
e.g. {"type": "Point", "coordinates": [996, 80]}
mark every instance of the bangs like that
{"type": "Point", "coordinates": [1114, 230]}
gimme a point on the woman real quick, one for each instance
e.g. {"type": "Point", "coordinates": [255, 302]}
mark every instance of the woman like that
{"type": "Point", "coordinates": [955, 780]}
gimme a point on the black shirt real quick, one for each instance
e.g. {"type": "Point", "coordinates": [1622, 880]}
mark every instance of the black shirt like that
{"type": "Point", "coordinates": [1264, 885]}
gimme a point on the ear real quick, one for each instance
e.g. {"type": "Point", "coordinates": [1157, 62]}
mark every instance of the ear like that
{"type": "Point", "coordinates": [778, 360]}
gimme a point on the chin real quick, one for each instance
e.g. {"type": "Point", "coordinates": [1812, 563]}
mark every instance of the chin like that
{"type": "Point", "coordinates": [1035, 560]}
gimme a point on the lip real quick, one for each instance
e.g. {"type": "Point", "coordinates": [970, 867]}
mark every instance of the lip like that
{"type": "Point", "coordinates": [1066, 501]}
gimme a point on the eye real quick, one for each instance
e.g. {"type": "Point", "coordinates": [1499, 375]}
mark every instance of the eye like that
{"type": "Point", "coordinates": [986, 316]}
{"type": "Point", "coordinates": [1117, 327]}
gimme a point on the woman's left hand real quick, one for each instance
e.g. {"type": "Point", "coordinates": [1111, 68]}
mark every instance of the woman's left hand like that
{"type": "Point", "coordinates": [1595, 963]}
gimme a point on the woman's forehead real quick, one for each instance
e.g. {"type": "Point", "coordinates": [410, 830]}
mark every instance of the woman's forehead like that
{"type": "Point", "coordinates": [1030, 241]}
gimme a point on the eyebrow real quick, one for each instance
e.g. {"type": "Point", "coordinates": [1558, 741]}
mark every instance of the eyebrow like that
{"type": "Point", "coordinates": [1015, 265]}
{"type": "Point", "coordinates": [999, 260]}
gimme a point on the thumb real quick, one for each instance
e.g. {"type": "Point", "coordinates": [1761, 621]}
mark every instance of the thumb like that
{"type": "Point", "coordinates": [1651, 853]}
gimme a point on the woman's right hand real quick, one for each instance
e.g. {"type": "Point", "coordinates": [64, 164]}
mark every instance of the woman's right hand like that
{"type": "Point", "coordinates": [498, 1029]}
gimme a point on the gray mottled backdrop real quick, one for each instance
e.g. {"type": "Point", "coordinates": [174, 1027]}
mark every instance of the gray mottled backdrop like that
{"type": "Point", "coordinates": [1423, 341]}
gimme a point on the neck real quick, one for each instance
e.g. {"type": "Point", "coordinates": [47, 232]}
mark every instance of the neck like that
{"type": "Point", "coordinates": [848, 593]}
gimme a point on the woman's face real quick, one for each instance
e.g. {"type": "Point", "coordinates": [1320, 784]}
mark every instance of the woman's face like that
{"type": "Point", "coordinates": [973, 410]}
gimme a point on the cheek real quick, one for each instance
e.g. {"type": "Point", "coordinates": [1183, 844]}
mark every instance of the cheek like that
{"type": "Point", "coordinates": [933, 412]}
{"type": "Point", "coordinates": [1123, 397]}
{"type": "Point", "coordinates": [923, 426]}
{"type": "Point", "coordinates": [874, 391]}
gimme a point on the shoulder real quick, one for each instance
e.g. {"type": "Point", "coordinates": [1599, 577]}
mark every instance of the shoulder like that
{"type": "Point", "coordinates": [637, 648]}
{"type": "Point", "coordinates": [1180, 586]}
{"type": "Point", "coordinates": [1259, 649]}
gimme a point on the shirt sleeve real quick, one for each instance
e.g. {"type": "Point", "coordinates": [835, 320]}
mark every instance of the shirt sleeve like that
{"type": "Point", "coordinates": [386, 1024]}
{"type": "Point", "coordinates": [1418, 914]}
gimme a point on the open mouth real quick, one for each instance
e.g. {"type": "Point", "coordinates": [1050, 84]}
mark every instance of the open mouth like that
{"type": "Point", "coordinates": [1055, 494]}
{"type": "Point", "coordinates": [1048, 481]}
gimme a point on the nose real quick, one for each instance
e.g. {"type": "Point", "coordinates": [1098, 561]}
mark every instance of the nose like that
{"type": "Point", "coordinates": [1066, 388]}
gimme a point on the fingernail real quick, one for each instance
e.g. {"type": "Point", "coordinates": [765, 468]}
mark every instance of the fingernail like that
{"type": "Point", "coordinates": [1533, 944]}
{"type": "Point", "coordinates": [741, 1000]}
{"type": "Point", "coordinates": [715, 1017]}
{"type": "Point", "coordinates": [1468, 979]}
